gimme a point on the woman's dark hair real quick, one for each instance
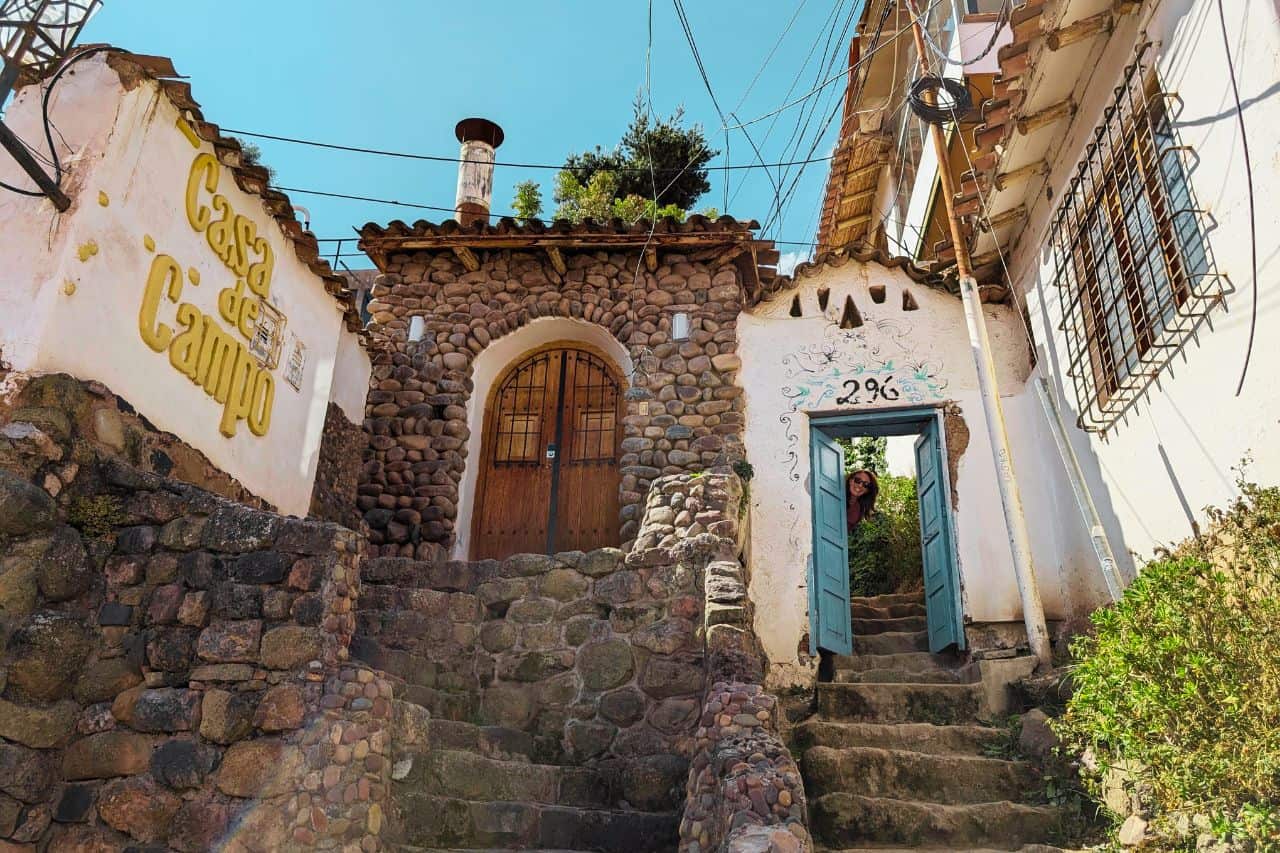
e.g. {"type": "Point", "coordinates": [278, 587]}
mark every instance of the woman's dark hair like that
{"type": "Point", "coordinates": [866, 503]}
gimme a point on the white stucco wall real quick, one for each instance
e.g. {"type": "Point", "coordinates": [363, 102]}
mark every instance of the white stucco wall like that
{"type": "Point", "coordinates": [794, 367]}
{"type": "Point", "coordinates": [72, 283]}
{"type": "Point", "coordinates": [485, 370]}
{"type": "Point", "coordinates": [351, 370]}
{"type": "Point", "coordinates": [1155, 470]}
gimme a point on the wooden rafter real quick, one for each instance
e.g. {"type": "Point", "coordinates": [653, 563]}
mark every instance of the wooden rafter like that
{"type": "Point", "coordinates": [1080, 30]}
{"type": "Point", "coordinates": [1048, 115]}
{"type": "Point", "coordinates": [468, 258]}
{"type": "Point", "coordinates": [557, 260]}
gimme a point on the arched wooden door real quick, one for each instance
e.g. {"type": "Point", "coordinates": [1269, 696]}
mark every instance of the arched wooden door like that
{"type": "Point", "coordinates": [549, 463]}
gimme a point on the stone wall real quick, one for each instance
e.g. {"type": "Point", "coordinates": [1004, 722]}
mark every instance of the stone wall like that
{"type": "Point", "coordinates": [342, 447]}
{"type": "Point", "coordinates": [744, 791]}
{"type": "Point", "coordinates": [173, 669]}
{"type": "Point", "coordinates": [598, 656]}
{"type": "Point", "coordinates": [85, 419]}
{"type": "Point", "coordinates": [684, 411]}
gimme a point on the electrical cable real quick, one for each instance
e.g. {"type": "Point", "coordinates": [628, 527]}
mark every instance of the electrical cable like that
{"type": "Point", "coordinates": [48, 125]}
{"type": "Point", "coordinates": [438, 159]}
{"type": "Point", "coordinates": [1248, 171]}
{"type": "Point", "coordinates": [939, 111]}
{"type": "Point", "coordinates": [1001, 20]}
{"type": "Point", "coordinates": [897, 35]}
{"type": "Point", "coordinates": [769, 58]}
{"type": "Point", "coordinates": [884, 17]}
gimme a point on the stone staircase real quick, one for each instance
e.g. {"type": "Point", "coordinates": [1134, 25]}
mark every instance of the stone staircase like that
{"type": "Point", "coordinates": [457, 783]}
{"type": "Point", "coordinates": [895, 757]}
{"type": "Point", "coordinates": [479, 788]}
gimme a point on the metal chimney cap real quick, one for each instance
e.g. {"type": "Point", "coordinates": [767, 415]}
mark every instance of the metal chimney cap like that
{"type": "Point", "coordinates": [480, 129]}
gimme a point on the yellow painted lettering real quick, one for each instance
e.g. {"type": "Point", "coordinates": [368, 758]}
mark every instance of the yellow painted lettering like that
{"type": "Point", "coordinates": [165, 275]}
{"type": "Point", "coordinates": [229, 302]}
{"type": "Point", "coordinates": [246, 234]}
{"type": "Point", "coordinates": [264, 393]}
{"type": "Point", "coordinates": [221, 234]}
{"type": "Point", "coordinates": [204, 169]}
{"type": "Point", "coordinates": [218, 353]}
{"type": "Point", "coordinates": [259, 276]}
{"type": "Point", "coordinates": [239, 400]}
{"type": "Point", "coordinates": [248, 319]}
{"type": "Point", "coordinates": [184, 352]}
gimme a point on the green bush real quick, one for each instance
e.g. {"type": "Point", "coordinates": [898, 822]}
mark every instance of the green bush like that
{"type": "Point", "coordinates": [884, 549]}
{"type": "Point", "coordinates": [1182, 679]}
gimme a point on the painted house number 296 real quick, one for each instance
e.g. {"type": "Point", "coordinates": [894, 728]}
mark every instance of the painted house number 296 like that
{"type": "Point", "coordinates": [876, 389]}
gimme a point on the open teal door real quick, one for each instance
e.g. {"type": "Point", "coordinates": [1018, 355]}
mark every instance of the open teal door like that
{"type": "Point", "coordinates": [942, 594]}
{"type": "Point", "coordinates": [830, 579]}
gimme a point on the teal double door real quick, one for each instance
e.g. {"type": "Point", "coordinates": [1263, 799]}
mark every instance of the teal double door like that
{"type": "Point", "coordinates": [829, 595]}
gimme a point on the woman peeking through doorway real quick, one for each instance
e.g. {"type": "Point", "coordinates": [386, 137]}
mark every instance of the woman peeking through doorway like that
{"type": "Point", "coordinates": [861, 489]}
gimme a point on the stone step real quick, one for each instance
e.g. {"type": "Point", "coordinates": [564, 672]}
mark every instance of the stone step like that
{"type": "Point", "coordinates": [849, 820]}
{"type": "Point", "coordinates": [888, 599]}
{"type": "Point", "coordinates": [940, 704]}
{"type": "Point", "coordinates": [450, 823]}
{"type": "Point", "coordinates": [908, 661]}
{"type": "Point", "coordinates": [887, 611]}
{"type": "Point", "coordinates": [463, 775]}
{"type": "Point", "coordinates": [906, 775]}
{"type": "Point", "coordinates": [937, 675]}
{"type": "Point", "coordinates": [891, 643]}
{"type": "Point", "coordinates": [899, 624]}
{"type": "Point", "coordinates": [917, 737]}
{"type": "Point", "coordinates": [495, 742]}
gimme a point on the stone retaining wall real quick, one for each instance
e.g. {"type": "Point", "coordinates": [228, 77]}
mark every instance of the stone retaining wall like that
{"type": "Point", "coordinates": [172, 671]}
{"type": "Point", "coordinates": [744, 791]}
{"type": "Point", "coordinates": [600, 657]}
{"type": "Point", "coordinates": [684, 411]}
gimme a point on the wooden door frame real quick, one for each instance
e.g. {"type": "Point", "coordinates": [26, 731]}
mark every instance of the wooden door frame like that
{"type": "Point", "coordinates": [907, 420]}
{"type": "Point", "coordinates": [488, 412]}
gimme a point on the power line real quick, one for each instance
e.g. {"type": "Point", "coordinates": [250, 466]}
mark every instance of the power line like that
{"type": "Point", "coordinates": [438, 159]}
{"type": "Point", "coordinates": [833, 78]}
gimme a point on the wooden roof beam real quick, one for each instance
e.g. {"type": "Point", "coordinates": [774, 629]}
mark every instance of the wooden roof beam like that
{"type": "Point", "coordinates": [1080, 30]}
{"type": "Point", "coordinates": [1063, 109]}
{"type": "Point", "coordinates": [468, 258]}
{"type": "Point", "coordinates": [557, 260]}
{"type": "Point", "coordinates": [1004, 218]}
{"type": "Point", "coordinates": [1006, 179]}
{"type": "Point", "coordinates": [853, 221]}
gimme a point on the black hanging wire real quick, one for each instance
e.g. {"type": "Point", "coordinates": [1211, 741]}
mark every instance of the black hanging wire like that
{"type": "Point", "coordinates": [1248, 171]}
{"type": "Point", "coordinates": [48, 125]}
{"type": "Point", "coordinates": [937, 99]}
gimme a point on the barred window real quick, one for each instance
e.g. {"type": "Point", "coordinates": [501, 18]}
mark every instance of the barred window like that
{"type": "Point", "coordinates": [1134, 272]}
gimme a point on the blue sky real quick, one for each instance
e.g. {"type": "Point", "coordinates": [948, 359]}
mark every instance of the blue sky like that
{"type": "Point", "coordinates": [558, 77]}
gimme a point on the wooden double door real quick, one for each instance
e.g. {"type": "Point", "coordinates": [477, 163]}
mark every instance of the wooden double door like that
{"type": "Point", "coordinates": [549, 478]}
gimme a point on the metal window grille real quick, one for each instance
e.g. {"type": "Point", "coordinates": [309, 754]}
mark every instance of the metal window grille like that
{"type": "Point", "coordinates": [1134, 272]}
{"type": "Point", "coordinates": [518, 439]}
{"type": "Point", "coordinates": [591, 402]}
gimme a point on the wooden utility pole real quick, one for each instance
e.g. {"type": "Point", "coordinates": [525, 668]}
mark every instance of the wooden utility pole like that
{"type": "Point", "coordinates": [1010, 497]}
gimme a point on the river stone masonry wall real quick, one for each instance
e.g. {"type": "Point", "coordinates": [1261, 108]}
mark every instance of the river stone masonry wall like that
{"type": "Point", "coordinates": [174, 667]}
{"type": "Point", "coordinates": [684, 409]}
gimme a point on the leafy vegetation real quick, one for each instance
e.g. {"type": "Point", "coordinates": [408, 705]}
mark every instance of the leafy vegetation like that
{"type": "Point", "coordinates": [865, 453]}
{"type": "Point", "coordinates": [528, 201]}
{"type": "Point", "coordinates": [1181, 684]}
{"type": "Point", "coordinates": [251, 155]}
{"type": "Point", "coordinates": [659, 168]}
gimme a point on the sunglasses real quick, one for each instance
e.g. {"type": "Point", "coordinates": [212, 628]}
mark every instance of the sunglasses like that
{"type": "Point", "coordinates": [866, 484]}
